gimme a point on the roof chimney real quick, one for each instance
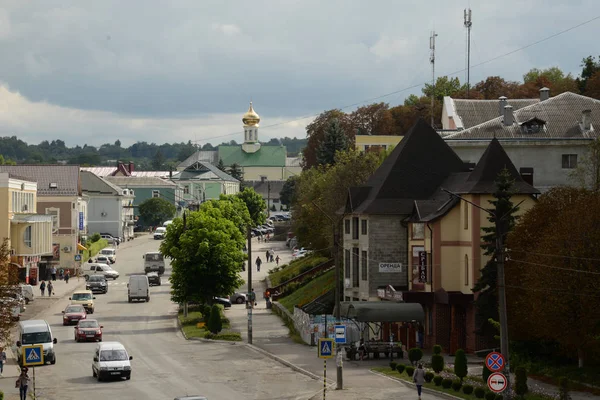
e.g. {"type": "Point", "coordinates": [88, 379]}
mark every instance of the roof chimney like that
{"type": "Point", "coordinates": [502, 102]}
{"type": "Point", "coordinates": [508, 116]}
{"type": "Point", "coordinates": [544, 94]}
{"type": "Point", "coordinates": [586, 120]}
{"type": "Point", "coordinates": [131, 167]}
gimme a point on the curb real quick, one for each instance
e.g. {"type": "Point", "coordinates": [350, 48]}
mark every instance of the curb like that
{"type": "Point", "coordinates": [424, 389]}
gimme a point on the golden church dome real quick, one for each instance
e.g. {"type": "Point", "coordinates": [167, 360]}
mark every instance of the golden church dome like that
{"type": "Point", "coordinates": [251, 117]}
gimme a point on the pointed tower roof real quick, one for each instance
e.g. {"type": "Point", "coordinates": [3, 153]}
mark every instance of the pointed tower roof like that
{"type": "Point", "coordinates": [250, 118]}
{"type": "Point", "coordinates": [413, 171]}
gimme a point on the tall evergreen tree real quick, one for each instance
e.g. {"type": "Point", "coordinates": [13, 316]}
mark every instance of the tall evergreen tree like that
{"type": "Point", "coordinates": [236, 172]}
{"type": "Point", "coordinates": [221, 166]}
{"type": "Point", "coordinates": [487, 302]}
{"type": "Point", "coordinates": [158, 160]}
{"type": "Point", "coordinates": [335, 140]}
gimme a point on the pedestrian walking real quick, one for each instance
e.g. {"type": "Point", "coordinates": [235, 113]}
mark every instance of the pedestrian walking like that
{"type": "Point", "coordinates": [272, 255]}
{"type": "Point", "coordinates": [258, 262]}
{"type": "Point", "coordinates": [67, 276]}
{"type": "Point", "coordinates": [42, 287]}
{"type": "Point", "coordinates": [22, 383]}
{"type": "Point", "coordinates": [277, 260]}
{"type": "Point", "coordinates": [267, 255]}
{"type": "Point", "coordinates": [252, 299]}
{"type": "Point", "coordinates": [419, 378]}
{"type": "Point", "coordinates": [53, 273]}
{"type": "Point", "coordinates": [50, 289]}
{"type": "Point", "coordinates": [2, 360]}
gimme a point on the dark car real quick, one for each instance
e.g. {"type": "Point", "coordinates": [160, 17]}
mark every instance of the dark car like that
{"type": "Point", "coordinates": [153, 279]}
{"type": "Point", "coordinates": [73, 314]}
{"type": "Point", "coordinates": [224, 302]}
{"type": "Point", "coordinates": [97, 284]}
{"type": "Point", "coordinates": [88, 329]}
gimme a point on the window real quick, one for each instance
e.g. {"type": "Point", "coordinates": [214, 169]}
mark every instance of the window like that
{"type": "Point", "coordinates": [347, 264]}
{"type": "Point", "coordinates": [55, 212]}
{"type": "Point", "coordinates": [363, 227]}
{"type": "Point", "coordinates": [347, 226]}
{"type": "Point", "coordinates": [569, 161]}
{"type": "Point", "coordinates": [156, 193]}
{"type": "Point", "coordinates": [418, 231]}
{"type": "Point", "coordinates": [354, 227]}
{"type": "Point", "coordinates": [186, 190]}
{"type": "Point", "coordinates": [367, 147]}
{"type": "Point", "coordinates": [384, 146]}
{"type": "Point", "coordinates": [364, 271]}
{"type": "Point", "coordinates": [465, 207]}
{"type": "Point", "coordinates": [27, 236]}
{"type": "Point", "coordinates": [355, 266]}
{"type": "Point", "coordinates": [14, 202]}
{"type": "Point", "coordinates": [466, 270]}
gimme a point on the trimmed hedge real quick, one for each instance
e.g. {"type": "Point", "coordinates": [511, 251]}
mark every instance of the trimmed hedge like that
{"type": "Point", "coordinates": [400, 368]}
{"type": "Point", "coordinates": [456, 385]}
{"type": "Point", "coordinates": [231, 336]}
{"type": "Point", "coordinates": [429, 376]}
{"type": "Point", "coordinates": [479, 392]}
{"type": "Point", "coordinates": [490, 395]}
{"type": "Point", "coordinates": [437, 380]}
{"type": "Point", "coordinates": [410, 370]}
{"type": "Point", "coordinates": [393, 365]}
{"type": "Point", "coordinates": [467, 389]}
{"type": "Point", "coordinates": [447, 383]}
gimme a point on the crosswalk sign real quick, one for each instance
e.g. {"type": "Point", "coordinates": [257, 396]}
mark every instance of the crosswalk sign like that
{"type": "Point", "coordinates": [33, 355]}
{"type": "Point", "coordinates": [325, 348]}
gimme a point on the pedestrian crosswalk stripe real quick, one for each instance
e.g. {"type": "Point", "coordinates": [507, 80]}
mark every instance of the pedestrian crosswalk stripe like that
{"type": "Point", "coordinates": [33, 356]}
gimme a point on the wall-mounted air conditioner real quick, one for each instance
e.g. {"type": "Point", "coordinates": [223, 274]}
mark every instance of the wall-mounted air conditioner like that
{"type": "Point", "coordinates": [12, 252]}
{"type": "Point", "coordinates": [67, 249]}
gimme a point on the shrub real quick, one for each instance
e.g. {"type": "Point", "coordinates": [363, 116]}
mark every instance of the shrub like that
{"type": "Point", "coordinates": [479, 392]}
{"type": "Point", "coordinates": [1, 395]}
{"type": "Point", "coordinates": [410, 370]}
{"type": "Point", "coordinates": [95, 237]}
{"type": "Point", "coordinates": [393, 365]}
{"type": "Point", "coordinates": [460, 364]}
{"type": "Point", "coordinates": [563, 388]}
{"type": "Point", "coordinates": [437, 380]}
{"type": "Point", "coordinates": [205, 310]}
{"type": "Point", "coordinates": [521, 381]}
{"type": "Point", "coordinates": [429, 376]}
{"type": "Point", "coordinates": [400, 368]}
{"type": "Point", "coordinates": [437, 363]}
{"type": "Point", "coordinates": [467, 389]}
{"type": "Point", "coordinates": [214, 324]}
{"type": "Point", "coordinates": [490, 395]}
{"type": "Point", "coordinates": [231, 336]}
{"type": "Point", "coordinates": [456, 385]}
{"type": "Point", "coordinates": [415, 355]}
{"type": "Point", "coordinates": [437, 349]}
{"type": "Point", "coordinates": [447, 383]}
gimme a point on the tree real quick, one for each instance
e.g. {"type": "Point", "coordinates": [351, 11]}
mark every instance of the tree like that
{"type": "Point", "coordinates": [587, 173]}
{"type": "Point", "coordinates": [117, 143]}
{"type": "Point", "coordinates": [156, 210]}
{"type": "Point", "coordinates": [221, 166]}
{"type": "Point", "coordinates": [335, 140]}
{"type": "Point", "coordinates": [460, 364]}
{"type": "Point", "coordinates": [494, 86]}
{"type": "Point", "coordinates": [158, 160]}
{"type": "Point", "coordinates": [288, 190]}
{"type": "Point", "coordinates": [256, 205]}
{"type": "Point", "coordinates": [372, 119]}
{"type": "Point", "coordinates": [553, 78]}
{"type": "Point", "coordinates": [233, 208]}
{"type": "Point", "coordinates": [589, 66]}
{"type": "Point", "coordinates": [186, 151]}
{"type": "Point", "coordinates": [437, 359]}
{"type": "Point", "coordinates": [236, 171]}
{"type": "Point", "coordinates": [592, 86]}
{"type": "Point", "coordinates": [486, 303]}
{"type": "Point", "coordinates": [553, 255]}
{"type": "Point", "coordinates": [4, 161]}
{"type": "Point", "coordinates": [444, 86]}
{"type": "Point", "coordinates": [315, 132]}
{"type": "Point", "coordinates": [8, 291]}
{"type": "Point", "coordinates": [215, 325]}
{"type": "Point", "coordinates": [206, 256]}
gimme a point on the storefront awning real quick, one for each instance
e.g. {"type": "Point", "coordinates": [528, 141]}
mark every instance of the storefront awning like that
{"type": "Point", "coordinates": [81, 247]}
{"type": "Point", "coordinates": [382, 311]}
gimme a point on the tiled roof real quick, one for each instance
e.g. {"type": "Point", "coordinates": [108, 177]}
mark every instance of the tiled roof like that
{"type": "Point", "coordinates": [202, 170]}
{"type": "Point", "coordinates": [66, 177]}
{"type": "Point", "coordinates": [562, 115]}
{"type": "Point", "coordinates": [93, 184]}
{"type": "Point", "coordinates": [134, 181]}
{"type": "Point", "coordinates": [266, 156]}
{"type": "Point", "coordinates": [413, 171]}
{"type": "Point", "coordinates": [475, 112]}
{"type": "Point", "coordinates": [107, 171]}
{"type": "Point", "coordinates": [201, 155]}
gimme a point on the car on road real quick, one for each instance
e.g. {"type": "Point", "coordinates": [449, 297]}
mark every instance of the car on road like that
{"type": "Point", "coordinates": [111, 254]}
{"type": "Point", "coordinates": [138, 288]}
{"type": "Point", "coordinates": [99, 269]}
{"type": "Point", "coordinates": [153, 279]}
{"type": "Point", "coordinates": [110, 239]}
{"type": "Point", "coordinates": [191, 398]}
{"type": "Point", "coordinates": [73, 313]}
{"type": "Point", "coordinates": [160, 233]}
{"type": "Point", "coordinates": [88, 329]}
{"type": "Point", "coordinates": [154, 262]}
{"type": "Point", "coordinates": [36, 331]}
{"type": "Point", "coordinates": [84, 298]}
{"type": "Point", "coordinates": [97, 284]}
{"type": "Point", "coordinates": [223, 301]}
{"type": "Point", "coordinates": [238, 298]}
{"type": "Point", "coordinates": [111, 361]}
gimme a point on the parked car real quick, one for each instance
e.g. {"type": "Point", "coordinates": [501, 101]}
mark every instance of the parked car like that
{"type": "Point", "coordinates": [153, 279]}
{"type": "Point", "coordinates": [73, 313]}
{"type": "Point", "coordinates": [97, 283]}
{"type": "Point", "coordinates": [110, 238]}
{"type": "Point", "coordinates": [223, 301]}
{"type": "Point", "coordinates": [88, 329]}
{"type": "Point", "coordinates": [238, 298]}
{"type": "Point", "coordinates": [160, 233]}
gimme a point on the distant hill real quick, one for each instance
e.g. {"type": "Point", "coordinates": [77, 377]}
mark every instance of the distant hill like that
{"type": "Point", "coordinates": [146, 156]}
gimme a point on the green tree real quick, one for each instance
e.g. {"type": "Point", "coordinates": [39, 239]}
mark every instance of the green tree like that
{"type": "Point", "coordinates": [156, 210]}
{"type": "Point", "coordinates": [587, 173]}
{"type": "Point", "coordinates": [236, 171]}
{"type": "Point", "coordinates": [233, 208]}
{"type": "Point", "coordinates": [315, 132]}
{"type": "Point", "coordinates": [221, 166]}
{"type": "Point", "coordinates": [288, 190]}
{"type": "Point", "coordinates": [335, 140]}
{"type": "Point", "coordinates": [444, 86]}
{"type": "Point", "coordinates": [8, 292]}
{"type": "Point", "coordinates": [158, 160]}
{"type": "Point", "coordinates": [589, 66]}
{"type": "Point", "coordinates": [186, 151]}
{"type": "Point", "coordinates": [437, 359]}
{"type": "Point", "coordinates": [206, 256]}
{"type": "Point", "coordinates": [460, 364]}
{"type": "Point", "coordinates": [215, 325]}
{"type": "Point", "coordinates": [486, 303]}
{"type": "Point", "coordinates": [7, 161]}
{"type": "Point", "coordinates": [256, 205]}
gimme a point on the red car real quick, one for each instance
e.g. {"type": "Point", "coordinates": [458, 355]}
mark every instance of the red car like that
{"type": "Point", "coordinates": [73, 313]}
{"type": "Point", "coordinates": [88, 329]}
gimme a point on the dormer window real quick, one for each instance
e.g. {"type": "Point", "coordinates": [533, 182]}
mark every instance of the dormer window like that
{"type": "Point", "coordinates": [533, 125]}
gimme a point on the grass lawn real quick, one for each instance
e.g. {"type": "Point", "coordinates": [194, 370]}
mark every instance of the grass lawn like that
{"type": "Point", "coordinates": [310, 291]}
{"type": "Point", "coordinates": [295, 268]}
{"type": "Point", "coordinates": [191, 330]}
{"type": "Point", "coordinates": [550, 373]}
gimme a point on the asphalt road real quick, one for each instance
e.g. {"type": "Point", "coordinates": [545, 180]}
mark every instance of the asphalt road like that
{"type": "Point", "coordinates": [164, 364]}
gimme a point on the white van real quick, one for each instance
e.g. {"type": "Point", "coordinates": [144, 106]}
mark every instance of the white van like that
{"type": "Point", "coordinates": [167, 223]}
{"type": "Point", "coordinates": [99, 269]}
{"type": "Point", "coordinates": [36, 331]}
{"type": "Point", "coordinates": [111, 254]}
{"type": "Point", "coordinates": [111, 361]}
{"type": "Point", "coordinates": [138, 288]}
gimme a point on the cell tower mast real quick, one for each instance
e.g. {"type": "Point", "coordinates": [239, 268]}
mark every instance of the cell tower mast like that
{"type": "Point", "coordinates": [468, 25]}
{"type": "Point", "coordinates": [432, 60]}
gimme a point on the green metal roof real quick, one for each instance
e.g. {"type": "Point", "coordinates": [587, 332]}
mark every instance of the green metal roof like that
{"type": "Point", "coordinates": [266, 156]}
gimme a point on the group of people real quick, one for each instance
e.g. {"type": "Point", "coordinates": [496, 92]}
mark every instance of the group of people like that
{"type": "Point", "coordinates": [50, 288]}
{"type": "Point", "coordinates": [62, 274]}
{"type": "Point", "coordinates": [270, 257]}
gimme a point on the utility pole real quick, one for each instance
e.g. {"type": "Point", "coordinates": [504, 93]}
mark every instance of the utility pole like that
{"type": "Point", "coordinates": [338, 311]}
{"type": "Point", "coordinates": [249, 301]}
{"type": "Point", "coordinates": [468, 24]}
{"type": "Point", "coordinates": [432, 61]}
{"type": "Point", "coordinates": [268, 198]}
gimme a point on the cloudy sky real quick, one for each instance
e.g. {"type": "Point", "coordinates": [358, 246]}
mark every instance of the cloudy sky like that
{"type": "Point", "coordinates": [169, 71]}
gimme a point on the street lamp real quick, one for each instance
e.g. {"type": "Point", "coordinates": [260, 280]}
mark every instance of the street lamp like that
{"type": "Point", "coordinates": [501, 230]}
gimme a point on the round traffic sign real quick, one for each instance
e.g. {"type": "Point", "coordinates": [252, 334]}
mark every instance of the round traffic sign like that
{"type": "Point", "coordinates": [497, 382]}
{"type": "Point", "coordinates": [494, 362]}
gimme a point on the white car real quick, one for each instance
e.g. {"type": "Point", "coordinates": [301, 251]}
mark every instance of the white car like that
{"type": "Point", "coordinates": [111, 361]}
{"type": "Point", "coordinates": [109, 253]}
{"type": "Point", "coordinates": [160, 233]}
{"type": "Point", "coordinates": [99, 269]}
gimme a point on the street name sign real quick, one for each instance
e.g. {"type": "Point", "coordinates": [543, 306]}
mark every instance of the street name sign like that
{"type": "Point", "coordinates": [495, 362]}
{"type": "Point", "coordinates": [497, 382]}
{"type": "Point", "coordinates": [33, 355]}
{"type": "Point", "coordinates": [326, 348]}
{"type": "Point", "coordinates": [340, 334]}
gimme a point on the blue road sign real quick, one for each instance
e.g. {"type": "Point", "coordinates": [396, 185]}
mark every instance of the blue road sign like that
{"type": "Point", "coordinates": [33, 355]}
{"type": "Point", "coordinates": [77, 257]}
{"type": "Point", "coordinates": [326, 348]}
{"type": "Point", "coordinates": [494, 362]}
{"type": "Point", "coordinates": [340, 334]}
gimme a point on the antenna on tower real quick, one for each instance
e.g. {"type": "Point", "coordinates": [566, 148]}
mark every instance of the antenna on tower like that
{"type": "Point", "coordinates": [432, 60]}
{"type": "Point", "coordinates": [468, 25]}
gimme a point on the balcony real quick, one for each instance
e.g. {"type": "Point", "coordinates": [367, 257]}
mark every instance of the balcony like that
{"type": "Point", "coordinates": [31, 234]}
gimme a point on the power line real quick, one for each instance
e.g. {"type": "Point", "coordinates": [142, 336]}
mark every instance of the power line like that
{"type": "Point", "coordinates": [554, 255]}
{"type": "Point", "coordinates": [554, 267]}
